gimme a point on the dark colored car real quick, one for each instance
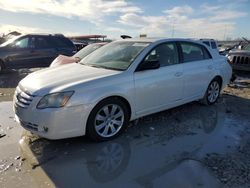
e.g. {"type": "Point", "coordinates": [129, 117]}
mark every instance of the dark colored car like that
{"type": "Point", "coordinates": [33, 50]}
{"type": "Point", "coordinates": [240, 59]}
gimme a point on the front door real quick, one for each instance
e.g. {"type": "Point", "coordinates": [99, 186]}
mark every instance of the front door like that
{"type": "Point", "coordinates": [157, 88]}
{"type": "Point", "coordinates": [21, 54]}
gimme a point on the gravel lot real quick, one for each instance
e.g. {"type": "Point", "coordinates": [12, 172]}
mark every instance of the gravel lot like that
{"type": "Point", "coordinates": [191, 146]}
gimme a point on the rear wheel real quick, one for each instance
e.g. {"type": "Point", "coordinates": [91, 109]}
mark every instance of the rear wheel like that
{"type": "Point", "coordinates": [107, 120]}
{"type": "Point", "coordinates": [213, 92]}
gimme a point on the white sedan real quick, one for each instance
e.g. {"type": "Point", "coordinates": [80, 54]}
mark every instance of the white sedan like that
{"type": "Point", "coordinates": [118, 83]}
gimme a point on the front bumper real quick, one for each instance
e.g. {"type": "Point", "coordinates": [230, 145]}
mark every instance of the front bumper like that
{"type": "Point", "coordinates": [54, 123]}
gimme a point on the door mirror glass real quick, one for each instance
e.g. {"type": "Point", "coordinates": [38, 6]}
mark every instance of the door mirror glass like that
{"type": "Point", "coordinates": [150, 62]}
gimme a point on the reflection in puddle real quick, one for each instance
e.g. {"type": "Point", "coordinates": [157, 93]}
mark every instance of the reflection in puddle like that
{"type": "Point", "coordinates": [144, 155]}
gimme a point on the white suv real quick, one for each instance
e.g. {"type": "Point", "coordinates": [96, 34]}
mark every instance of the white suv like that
{"type": "Point", "coordinates": [211, 43]}
{"type": "Point", "coordinates": [120, 82]}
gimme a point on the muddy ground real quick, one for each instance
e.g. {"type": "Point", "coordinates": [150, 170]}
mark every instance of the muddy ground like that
{"type": "Point", "coordinates": [188, 146]}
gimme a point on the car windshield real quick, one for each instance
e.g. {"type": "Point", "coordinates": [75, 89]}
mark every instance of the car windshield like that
{"type": "Point", "coordinates": [247, 47]}
{"type": "Point", "coordinates": [9, 41]}
{"type": "Point", "coordinates": [116, 55]}
{"type": "Point", "coordinates": [87, 50]}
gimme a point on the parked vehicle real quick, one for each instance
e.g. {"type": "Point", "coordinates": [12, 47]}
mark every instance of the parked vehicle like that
{"type": "Point", "coordinates": [79, 45]}
{"type": "Point", "coordinates": [240, 59]}
{"type": "Point", "coordinates": [62, 59]}
{"type": "Point", "coordinates": [33, 50]}
{"type": "Point", "coordinates": [118, 83]}
{"type": "Point", "coordinates": [211, 43]}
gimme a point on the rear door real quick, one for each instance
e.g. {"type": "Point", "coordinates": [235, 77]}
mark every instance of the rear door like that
{"type": "Point", "coordinates": [197, 69]}
{"type": "Point", "coordinates": [155, 89]}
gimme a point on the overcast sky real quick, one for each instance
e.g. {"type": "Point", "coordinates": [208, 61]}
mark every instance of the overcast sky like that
{"type": "Point", "coordinates": [218, 19]}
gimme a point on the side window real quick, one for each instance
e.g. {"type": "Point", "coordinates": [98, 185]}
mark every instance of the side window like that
{"type": "Point", "coordinates": [41, 42]}
{"type": "Point", "coordinates": [207, 43]}
{"type": "Point", "coordinates": [22, 43]}
{"type": "Point", "coordinates": [207, 55]}
{"type": "Point", "coordinates": [32, 42]}
{"type": "Point", "coordinates": [213, 45]}
{"type": "Point", "coordinates": [194, 52]}
{"type": "Point", "coordinates": [166, 54]}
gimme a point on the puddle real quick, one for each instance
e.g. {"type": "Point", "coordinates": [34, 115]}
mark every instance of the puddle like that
{"type": "Point", "coordinates": [161, 149]}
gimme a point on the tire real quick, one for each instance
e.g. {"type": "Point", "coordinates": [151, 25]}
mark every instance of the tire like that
{"type": "Point", "coordinates": [107, 120]}
{"type": "Point", "coordinates": [212, 93]}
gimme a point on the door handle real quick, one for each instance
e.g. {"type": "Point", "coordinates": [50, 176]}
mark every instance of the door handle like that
{"type": "Point", "coordinates": [178, 74]}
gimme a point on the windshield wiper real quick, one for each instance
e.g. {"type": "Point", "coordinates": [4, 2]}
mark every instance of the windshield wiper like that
{"type": "Point", "coordinates": [111, 68]}
{"type": "Point", "coordinates": [91, 65]}
{"type": "Point", "coordinates": [103, 67]}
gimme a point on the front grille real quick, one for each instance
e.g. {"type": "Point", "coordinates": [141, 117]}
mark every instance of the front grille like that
{"type": "Point", "coordinates": [242, 60]}
{"type": "Point", "coordinates": [29, 125]}
{"type": "Point", "coordinates": [22, 99]}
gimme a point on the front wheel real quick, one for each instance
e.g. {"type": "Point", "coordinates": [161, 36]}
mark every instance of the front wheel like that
{"type": "Point", "coordinates": [107, 120]}
{"type": "Point", "coordinates": [213, 92]}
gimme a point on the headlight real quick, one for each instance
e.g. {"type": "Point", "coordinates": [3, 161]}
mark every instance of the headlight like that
{"type": "Point", "coordinates": [54, 100]}
{"type": "Point", "coordinates": [230, 58]}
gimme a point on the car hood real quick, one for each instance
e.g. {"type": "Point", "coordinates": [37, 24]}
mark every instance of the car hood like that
{"type": "Point", "coordinates": [239, 52]}
{"type": "Point", "coordinates": [60, 78]}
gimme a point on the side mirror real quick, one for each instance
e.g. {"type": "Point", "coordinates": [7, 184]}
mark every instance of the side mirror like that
{"type": "Point", "coordinates": [148, 64]}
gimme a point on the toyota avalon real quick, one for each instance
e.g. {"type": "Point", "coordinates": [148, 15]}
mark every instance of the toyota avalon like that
{"type": "Point", "coordinates": [118, 83]}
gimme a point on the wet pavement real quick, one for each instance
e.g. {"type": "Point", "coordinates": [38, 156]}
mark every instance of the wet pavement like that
{"type": "Point", "coordinates": [189, 146]}
{"type": "Point", "coordinates": [9, 79]}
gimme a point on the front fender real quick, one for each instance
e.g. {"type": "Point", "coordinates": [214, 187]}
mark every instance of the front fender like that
{"type": "Point", "coordinates": [123, 87]}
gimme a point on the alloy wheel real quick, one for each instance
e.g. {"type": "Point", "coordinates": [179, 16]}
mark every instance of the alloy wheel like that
{"type": "Point", "coordinates": [109, 120]}
{"type": "Point", "coordinates": [213, 91]}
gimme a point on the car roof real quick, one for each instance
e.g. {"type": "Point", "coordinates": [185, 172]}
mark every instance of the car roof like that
{"type": "Point", "coordinates": [213, 52]}
{"type": "Point", "coordinates": [42, 34]}
{"type": "Point", "coordinates": [146, 39]}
